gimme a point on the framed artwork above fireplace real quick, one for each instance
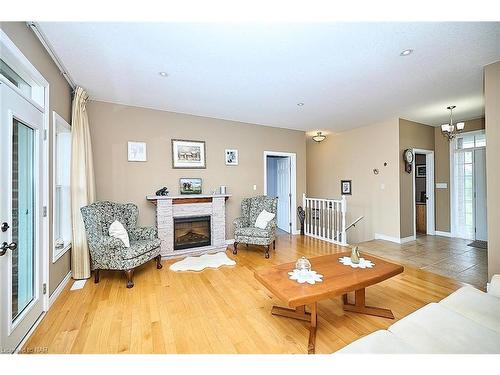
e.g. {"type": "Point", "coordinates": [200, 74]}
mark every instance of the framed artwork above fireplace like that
{"type": "Point", "coordinates": [188, 154]}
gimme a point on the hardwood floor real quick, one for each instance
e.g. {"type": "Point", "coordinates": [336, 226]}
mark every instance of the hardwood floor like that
{"type": "Point", "coordinates": [218, 311]}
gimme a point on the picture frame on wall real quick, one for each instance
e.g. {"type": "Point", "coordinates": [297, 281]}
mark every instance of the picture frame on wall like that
{"type": "Point", "coordinates": [188, 154]}
{"type": "Point", "coordinates": [231, 157]}
{"type": "Point", "coordinates": [190, 186]}
{"type": "Point", "coordinates": [346, 187]}
{"type": "Point", "coordinates": [421, 171]}
{"type": "Point", "coordinates": [136, 151]}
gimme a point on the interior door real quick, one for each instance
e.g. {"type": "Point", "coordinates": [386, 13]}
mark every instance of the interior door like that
{"type": "Point", "coordinates": [21, 235]}
{"type": "Point", "coordinates": [283, 190]}
{"type": "Point", "coordinates": [480, 194]}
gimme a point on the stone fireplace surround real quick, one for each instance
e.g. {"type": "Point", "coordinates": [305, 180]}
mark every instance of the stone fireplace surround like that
{"type": "Point", "coordinates": [170, 207]}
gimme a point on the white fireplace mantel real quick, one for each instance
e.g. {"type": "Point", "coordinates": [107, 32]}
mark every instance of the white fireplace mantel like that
{"type": "Point", "coordinates": [170, 207]}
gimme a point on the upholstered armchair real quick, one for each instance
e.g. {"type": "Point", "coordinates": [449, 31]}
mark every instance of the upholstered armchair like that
{"type": "Point", "coordinates": [245, 230]}
{"type": "Point", "coordinates": [109, 253]}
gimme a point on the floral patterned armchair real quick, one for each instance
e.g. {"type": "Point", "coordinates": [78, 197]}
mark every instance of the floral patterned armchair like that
{"type": "Point", "coordinates": [245, 230]}
{"type": "Point", "coordinates": [109, 253]}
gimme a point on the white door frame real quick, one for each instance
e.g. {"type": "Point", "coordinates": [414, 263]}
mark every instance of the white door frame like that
{"type": "Point", "coordinates": [429, 191]}
{"type": "Point", "coordinates": [23, 64]}
{"type": "Point", "coordinates": [453, 229]}
{"type": "Point", "coordinates": [293, 183]}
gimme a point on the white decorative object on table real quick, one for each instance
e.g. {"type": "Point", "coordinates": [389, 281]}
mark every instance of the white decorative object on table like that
{"type": "Point", "coordinates": [304, 276]}
{"type": "Point", "coordinates": [363, 263]}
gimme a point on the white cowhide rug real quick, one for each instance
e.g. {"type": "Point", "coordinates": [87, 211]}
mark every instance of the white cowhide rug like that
{"type": "Point", "coordinates": [205, 261]}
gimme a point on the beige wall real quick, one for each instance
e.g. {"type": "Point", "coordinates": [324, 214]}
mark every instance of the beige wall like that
{"type": "Point", "coordinates": [411, 135]}
{"type": "Point", "coordinates": [492, 116]}
{"type": "Point", "coordinates": [59, 101]}
{"type": "Point", "coordinates": [352, 155]}
{"type": "Point", "coordinates": [442, 173]}
{"type": "Point", "coordinates": [112, 125]}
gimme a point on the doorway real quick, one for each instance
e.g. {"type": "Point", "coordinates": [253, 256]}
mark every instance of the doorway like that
{"type": "Point", "coordinates": [21, 216]}
{"type": "Point", "coordinates": [23, 202]}
{"type": "Point", "coordinates": [423, 192]}
{"type": "Point", "coordinates": [468, 191]}
{"type": "Point", "coordinates": [280, 182]}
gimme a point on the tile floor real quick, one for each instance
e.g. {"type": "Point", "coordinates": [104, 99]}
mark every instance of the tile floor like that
{"type": "Point", "coordinates": [445, 256]}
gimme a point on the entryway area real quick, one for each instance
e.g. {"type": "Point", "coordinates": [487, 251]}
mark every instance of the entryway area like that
{"type": "Point", "coordinates": [280, 182]}
{"type": "Point", "coordinates": [468, 188]}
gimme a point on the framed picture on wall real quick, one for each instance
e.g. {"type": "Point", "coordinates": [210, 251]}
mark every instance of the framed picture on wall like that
{"type": "Point", "coordinates": [421, 170]}
{"type": "Point", "coordinates": [188, 154]}
{"type": "Point", "coordinates": [345, 187]}
{"type": "Point", "coordinates": [137, 151]}
{"type": "Point", "coordinates": [190, 185]}
{"type": "Point", "coordinates": [231, 157]}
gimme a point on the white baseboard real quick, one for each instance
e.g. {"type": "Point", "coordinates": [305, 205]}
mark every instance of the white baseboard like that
{"type": "Point", "coordinates": [230, 242]}
{"type": "Point", "coordinates": [408, 239]}
{"type": "Point", "coordinates": [379, 236]}
{"type": "Point", "coordinates": [295, 232]}
{"type": "Point", "coordinates": [444, 234]}
{"type": "Point", "coordinates": [59, 289]}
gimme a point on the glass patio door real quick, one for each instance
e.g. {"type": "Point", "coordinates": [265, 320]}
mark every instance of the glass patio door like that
{"type": "Point", "coordinates": [21, 220]}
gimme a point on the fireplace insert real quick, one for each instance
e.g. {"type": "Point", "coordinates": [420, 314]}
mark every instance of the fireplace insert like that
{"type": "Point", "coordinates": [192, 232]}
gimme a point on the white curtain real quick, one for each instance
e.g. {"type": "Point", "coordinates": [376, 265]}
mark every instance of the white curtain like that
{"type": "Point", "coordinates": [82, 183]}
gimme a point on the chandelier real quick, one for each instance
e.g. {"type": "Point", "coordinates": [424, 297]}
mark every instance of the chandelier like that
{"type": "Point", "coordinates": [451, 130]}
{"type": "Point", "coordinates": [319, 137]}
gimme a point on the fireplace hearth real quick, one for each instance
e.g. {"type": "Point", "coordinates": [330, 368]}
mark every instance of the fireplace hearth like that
{"type": "Point", "coordinates": [192, 232]}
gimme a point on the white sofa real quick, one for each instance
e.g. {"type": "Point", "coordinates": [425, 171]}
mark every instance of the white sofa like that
{"type": "Point", "coordinates": [467, 321]}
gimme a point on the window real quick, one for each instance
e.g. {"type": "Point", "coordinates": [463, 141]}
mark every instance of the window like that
{"type": "Point", "coordinates": [62, 192]}
{"type": "Point", "coordinates": [473, 140]}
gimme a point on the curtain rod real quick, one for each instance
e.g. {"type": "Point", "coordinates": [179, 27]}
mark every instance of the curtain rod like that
{"type": "Point", "coordinates": [43, 39]}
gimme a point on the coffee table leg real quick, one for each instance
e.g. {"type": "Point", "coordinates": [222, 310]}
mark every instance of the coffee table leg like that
{"type": "Point", "coordinates": [311, 347]}
{"type": "Point", "coordinates": [360, 307]}
{"type": "Point", "coordinates": [300, 313]}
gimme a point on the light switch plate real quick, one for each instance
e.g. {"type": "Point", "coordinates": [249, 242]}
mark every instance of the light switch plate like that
{"type": "Point", "coordinates": [441, 185]}
{"type": "Point", "coordinates": [255, 187]}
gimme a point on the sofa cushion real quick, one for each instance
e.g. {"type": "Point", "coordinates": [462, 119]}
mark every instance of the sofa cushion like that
{"type": "Point", "coordinates": [379, 342]}
{"type": "Point", "coordinates": [436, 329]}
{"type": "Point", "coordinates": [494, 288]}
{"type": "Point", "coordinates": [253, 232]}
{"type": "Point", "coordinates": [140, 247]}
{"type": "Point", "coordinates": [478, 306]}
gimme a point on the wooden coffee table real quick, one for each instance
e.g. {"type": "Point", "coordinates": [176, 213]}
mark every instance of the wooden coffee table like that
{"type": "Point", "coordinates": [338, 279]}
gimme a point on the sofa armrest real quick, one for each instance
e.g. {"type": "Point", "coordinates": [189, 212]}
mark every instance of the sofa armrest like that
{"type": "Point", "coordinates": [494, 288]}
{"type": "Point", "coordinates": [142, 233]}
{"type": "Point", "coordinates": [240, 222]}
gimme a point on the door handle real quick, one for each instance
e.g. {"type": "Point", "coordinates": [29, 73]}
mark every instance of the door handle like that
{"type": "Point", "coordinates": [4, 227]}
{"type": "Point", "coordinates": [5, 246]}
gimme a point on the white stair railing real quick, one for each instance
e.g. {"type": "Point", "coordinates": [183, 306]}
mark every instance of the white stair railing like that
{"type": "Point", "coordinates": [325, 219]}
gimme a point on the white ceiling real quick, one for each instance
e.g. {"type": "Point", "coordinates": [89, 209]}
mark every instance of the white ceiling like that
{"type": "Point", "coordinates": [347, 74]}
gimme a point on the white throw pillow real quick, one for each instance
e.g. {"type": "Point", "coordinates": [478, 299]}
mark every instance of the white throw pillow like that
{"type": "Point", "coordinates": [263, 218]}
{"type": "Point", "coordinates": [117, 230]}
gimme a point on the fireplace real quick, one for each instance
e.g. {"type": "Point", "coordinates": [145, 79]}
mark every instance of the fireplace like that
{"type": "Point", "coordinates": [190, 232]}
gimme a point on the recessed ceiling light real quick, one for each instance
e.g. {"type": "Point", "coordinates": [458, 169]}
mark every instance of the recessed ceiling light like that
{"type": "Point", "coordinates": [163, 74]}
{"type": "Point", "coordinates": [406, 52]}
{"type": "Point", "coordinates": [300, 104]}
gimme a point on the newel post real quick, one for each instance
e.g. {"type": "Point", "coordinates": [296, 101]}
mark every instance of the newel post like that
{"type": "Point", "coordinates": [344, 210]}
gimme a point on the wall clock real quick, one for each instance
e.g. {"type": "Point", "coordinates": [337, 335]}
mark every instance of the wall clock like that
{"type": "Point", "coordinates": [408, 158]}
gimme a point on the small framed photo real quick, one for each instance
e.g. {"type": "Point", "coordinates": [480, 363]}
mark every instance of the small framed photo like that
{"type": "Point", "coordinates": [231, 157]}
{"type": "Point", "coordinates": [346, 187]}
{"type": "Point", "coordinates": [137, 151]}
{"type": "Point", "coordinates": [421, 171]}
{"type": "Point", "coordinates": [188, 154]}
{"type": "Point", "coordinates": [190, 185]}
